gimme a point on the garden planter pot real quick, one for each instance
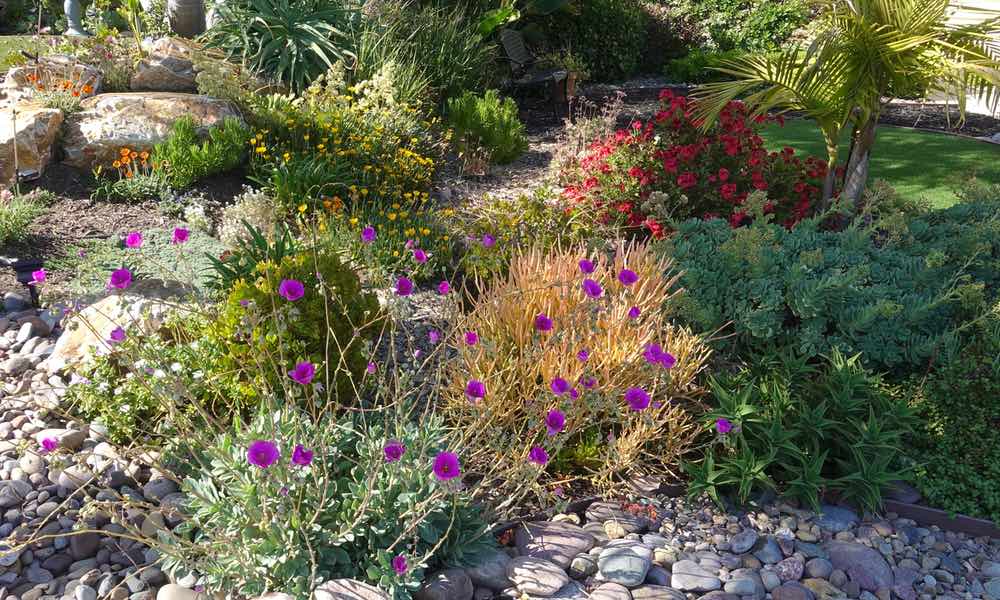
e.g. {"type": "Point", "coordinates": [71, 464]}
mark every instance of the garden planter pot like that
{"type": "Point", "coordinates": [187, 17]}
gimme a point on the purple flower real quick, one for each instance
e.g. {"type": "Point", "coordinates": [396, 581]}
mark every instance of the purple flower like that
{"type": "Point", "coordinates": [538, 455]}
{"type": "Point", "coordinates": [627, 277]}
{"type": "Point", "coordinates": [592, 288]}
{"type": "Point", "coordinates": [444, 287]}
{"type": "Point", "coordinates": [475, 390]}
{"type": "Point", "coordinates": [542, 322]}
{"type": "Point", "coordinates": [133, 240]}
{"type": "Point", "coordinates": [404, 287]}
{"type": "Point", "coordinates": [303, 373]}
{"type": "Point", "coordinates": [180, 235]}
{"type": "Point", "coordinates": [371, 368]}
{"type": "Point", "coordinates": [49, 445]}
{"type": "Point", "coordinates": [574, 394]}
{"type": "Point", "coordinates": [446, 466]}
{"type": "Point", "coordinates": [471, 338]}
{"type": "Point", "coordinates": [434, 336]}
{"type": "Point", "coordinates": [368, 234]}
{"type": "Point", "coordinates": [399, 564]}
{"type": "Point", "coordinates": [559, 386]}
{"type": "Point", "coordinates": [583, 355]}
{"type": "Point", "coordinates": [116, 336]}
{"type": "Point", "coordinates": [589, 383]}
{"type": "Point", "coordinates": [489, 241]}
{"type": "Point", "coordinates": [637, 398]}
{"type": "Point", "coordinates": [262, 453]}
{"type": "Point", "coordinates": [302, 457]}
{"type": "Point", "coordinates": [120, 279]}
{"type": "Point", "coordinates": [291, 289]}
{"type": "Point", "coordinates": [655, 355]}
{"type": "Point", "coordinates": [420, 256]}
{"type": "Point", "coordinates": [393, 451]}
{"type": "Point", "coordinates": [723, 426]}
{"type": "Point", "coordinates": [634, 312]}
{"type": "Point", "coordinates": [283, 491]}
{"type": "Point", "coordinates": [555, 421]}
{"type": "Point", "coordinates": [38, 276]}
{"type": "Point", "coordinates": [586, 267]}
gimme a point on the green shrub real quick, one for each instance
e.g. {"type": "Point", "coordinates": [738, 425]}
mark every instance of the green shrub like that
{"type": "Point", "coordinates": [347, 514]}
{"type": "Point", "coordinates": [670, 33]}
{"type": "Point", "coordinates": [488, 122]}
{"type": "Point", "coordinates": [252, 247]}
{"type": "Point", "coordinates": [16, 214]}
{"type": "Point", "coordinates": [899, 300]}
{"type": "Point", "coordinates": [254, 321]}
{"type": "Point", "coordinates": [186, 159]}
{"type": "Point", "coordinates": [699, 66]}
{"type": "Point", "coordinates": [293, 41]}
{"type": "Point", "coordinates": [958, 442]}
{"type": "Point", "coordinates": [748, 24]}
{"type": "Point", "coordinates": [803, 429]}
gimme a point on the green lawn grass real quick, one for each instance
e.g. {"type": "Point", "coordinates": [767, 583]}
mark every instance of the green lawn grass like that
{"type": "Point", "coordinates": [916, 163]}
{"type": "Point", "coordinates": [11, 46]}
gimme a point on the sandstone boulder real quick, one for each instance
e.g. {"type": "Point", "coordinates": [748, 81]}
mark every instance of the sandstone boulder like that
{"type": "Point", "coordinates": [138, 121]}
{"type": "Point", "coordinates": [35, 129]}
{"type": "Point", "coordinates": [142, 309]}
{"type": "Point", "coordinates": [169, 67]}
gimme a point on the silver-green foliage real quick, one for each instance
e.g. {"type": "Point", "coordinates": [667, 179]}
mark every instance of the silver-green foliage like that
{"type": "Point", "coordinates": [489, 122]}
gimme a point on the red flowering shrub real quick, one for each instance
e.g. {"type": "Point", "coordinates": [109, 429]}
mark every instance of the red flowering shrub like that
{"type": "Point", "coordinates": [669, 168]}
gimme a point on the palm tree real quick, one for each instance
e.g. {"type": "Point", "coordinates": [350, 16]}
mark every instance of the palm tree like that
{"type": "Point", "coordinates": [867, 53]}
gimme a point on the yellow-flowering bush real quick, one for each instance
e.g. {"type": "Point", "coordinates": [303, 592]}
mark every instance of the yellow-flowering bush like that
{"type": "Point", "coordinates": [571, 366]}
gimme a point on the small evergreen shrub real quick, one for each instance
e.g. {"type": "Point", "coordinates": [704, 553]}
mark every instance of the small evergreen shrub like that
{"type": "Point", "coordinates": [186, 159]}
{"type": "Point", "coordinates": [956, 446]}
{"type": "Point", "coordinates": [488, 122]}
{"type": "Point", "coordinates": [699, 66]}
{"type": "Point", "coordinates": [900, 298]}
{"type": "Point", "coordinates": [16, 214]}
{"type": "Point", "coordinates": [748, 25]}
{"type": "Point", "coordinates": [802, 429]}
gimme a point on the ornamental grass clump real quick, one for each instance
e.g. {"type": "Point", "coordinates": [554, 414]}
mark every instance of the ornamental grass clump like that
{"type": "Point", "coordinates": [573, 355]}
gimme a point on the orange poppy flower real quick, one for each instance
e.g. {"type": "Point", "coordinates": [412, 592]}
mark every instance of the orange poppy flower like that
{"type": "Point", "coordinates": [116, 164]}
{"type": "Point", "coordinates": [144, 155]}
{"type": "Point", "coordinates": [87, 89]}
{"type": "Point", "coordinates": [123, 152]}
{"type": "Point", "coordinates": [133, 154]}
{"type": "Point", "coordinates": [76, 94]}
{"type": "Point", "coordinates": [128, 174]}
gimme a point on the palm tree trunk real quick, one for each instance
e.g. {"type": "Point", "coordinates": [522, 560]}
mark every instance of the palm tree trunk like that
{"type": "Point", "coordinates": [856, 174]}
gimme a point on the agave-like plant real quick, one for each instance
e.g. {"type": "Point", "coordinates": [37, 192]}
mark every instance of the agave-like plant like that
{"type": "Point", "coordinates": [867, 53]}
{"type": "Point", "coordinates": [292, 41]}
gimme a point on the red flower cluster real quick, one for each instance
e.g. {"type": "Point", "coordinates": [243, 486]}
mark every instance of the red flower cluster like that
{"type": "Point", "coordinates": [670, 168]}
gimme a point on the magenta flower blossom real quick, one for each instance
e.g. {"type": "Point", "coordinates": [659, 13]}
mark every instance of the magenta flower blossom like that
{"type": "Point", "coordinates": [637, 398]}
{"type": "Point", "coordinates": [627, 277]}
{"type": "Point", "coordinates": [404, 287]}
{"type": "Point", "coordinates": [368, 234]}
{"type": "Point", "coordinates": [393, 451]}
{"type": "Point", "coordinates": [444, 287]}
{"type": "Point", "coordinates": [291, 289]}
{"type": "Point", "coordinates": [555, 421]}
{"type": "Point", "coordinates": [574, 394]}
{"type": "Point", "coordinates": [49, 445]}
{"type": "Point", "coordinates": [583, 356]}
{"type": "Point", "coordinates": [538, 455]}
{"type": "Point", "coordinates": [586, 267]}
{"type": "Point", "coordinates": [180, 235]}
{"type": "Point", "coordinates": [723, 426]}
{"type": "Point", "coordinates": [262, 453]}
{"type": "Point", "coordinates": [475, 390]}
{"type": "Point", "coordinates": [542, 322]}
{"type": "Point", "coordinates": [446, 466]}
{"type": "Point", "coordinates": [471, 338]}
{"type": "Point", "coordinates": [559, 386]}
{"type": "Point", "coordinates": [592, 288]}
{"type": "Point", "coordinates": [655, 355]}
{"type": "Point", "coordinates": [434, 336]}
{"type": "Point", "coordinates": [399, 564]}
{"type": "Point", "coordinates": [634, 312]}
{"type": "Point", "coordinates": [420, 256]}
{"type": "Point", "coordinates": [301, 456]}
{"type": "Point", "coordinates": [133, 240]}
{"type": "Point", "coordinates": [489, 241]}
{"type": "Point", "coordinates": [303, 373]}
{"type": "Point", "coordinates": [38, 276]}
{"type": "Point", "coordinates": [120, 279]}
{"type": "Point", "coordinates": [589, 383]}
{"type": "Point", "coordinates": [117, 335]}
{"type": "Point", "coordinates": [371, 368]}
